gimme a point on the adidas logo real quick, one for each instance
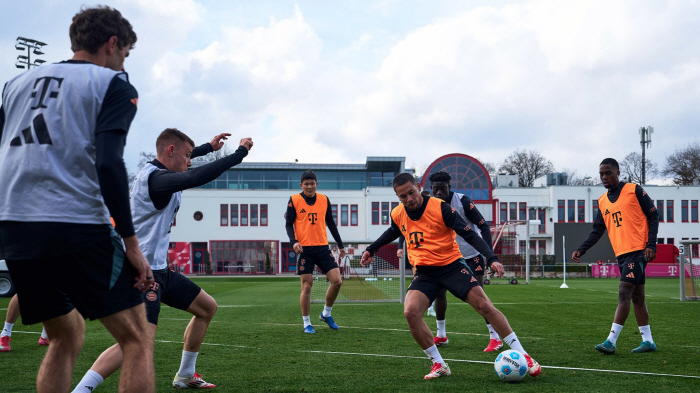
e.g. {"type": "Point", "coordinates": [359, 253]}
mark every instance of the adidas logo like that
{"type": "Point", "coordinates": [631, 275]}
{"type": "Point", "coordinates": [403, 228]}
{"type": "Point", "coordinates": [607, 212]}
{"type": "Point", "coordinates": [473, 279]}
{"type": "Point", "coordinates": [303, 211]}
{"type": "Point", "coordinates": [478, 269]}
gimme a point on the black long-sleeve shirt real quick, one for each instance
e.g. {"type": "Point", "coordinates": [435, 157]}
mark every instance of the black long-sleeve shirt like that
{"type": "Point", "coordinates": [163, 184]}
{"type": "Point", "coordinates": [648, 208]}
{"type": "Point", "coordinates": [291, 217]}
{"type": "Point", "coordinates": [451, 220]}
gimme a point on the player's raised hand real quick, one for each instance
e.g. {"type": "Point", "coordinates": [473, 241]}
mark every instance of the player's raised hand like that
{"type": "Point", "coordinates": [247, 143]}
{"type": "Point", "coordinates": [218, 141]}
{"type": "Point", "coordinates": [342, 253]}
{"type": "Point", "coordinates": [498, 268]}
{"type": "Point", "coordinates": [366, 259]}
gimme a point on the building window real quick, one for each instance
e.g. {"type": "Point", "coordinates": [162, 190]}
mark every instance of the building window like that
{"type": "Point", "coordinates": [254, 215]}
{"type": "Point", "coordinates": [522, 211]}
{"type": "Point", "coordinates": [198, 216]}
{"type": "Point", "coordinates": [694, 211]}
{"type": "Point", "coordinates": [532, 214]}
{"type": "Point", "coordinates": [660, 240]}
{"type": "Point", "coordinates": [670, 240]}
{"type": "Point", "coordinates": [344, 215]}
{"type": "Point", "coordinates": [542, 216]}
{"type": "Point", "coordinates": [234, 215]}
{"type": "Point", "coordinates": [571, 211]}
{"type": "Point", "coordinates": [669, 211]}
{"type": "Point", "coordinates": [560, 209]}
{"type": "Point", "coordinates": [504, 212]}
{"type": "Point", "coordinates": [684, 210]}
{"type": "Point", "coordinates": [513, 210]}
{"type": "Point", "coordinates": [581, 210]}
{"type": "Point", "coordinates": [375, 213]}
{"type": "Point", "coordinates": [660, 209]}
{"type": "Point", "coordinates": [334, 213]}
{"type": "Point", "coordinates": [263, 215]}
{"type": "Point", "coordinates": [224, 216]}
{"type": "Point", "coordinates": [385, 213]}
{"type": "Point", "coordinates": [244, 214]}
{"type": "Point", "coordinates": [595, 209]}
{"type": "Point", "coordinates": [353, 215]}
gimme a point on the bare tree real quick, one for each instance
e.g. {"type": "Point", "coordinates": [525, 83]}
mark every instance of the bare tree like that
{"type": "Point", "coordinates": [144, 158]}
{"type": "Point", "coordinates": [528, 165]}
{"type": "Point", "coordinates": [684, 165]}
{"type": "Point", "coordinates": [490, 167]}
{"type": "Point", "coordinates": [631, 168]}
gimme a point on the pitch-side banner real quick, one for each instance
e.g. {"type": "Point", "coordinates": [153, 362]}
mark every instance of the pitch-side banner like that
{"type": "Point", "coordinates": [652, 270]}
{"type": "Point", "coordinates": [179, 257]}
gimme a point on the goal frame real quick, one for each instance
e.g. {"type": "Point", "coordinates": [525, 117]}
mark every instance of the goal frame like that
{"type": "Point", "coordinates": [685, 251]}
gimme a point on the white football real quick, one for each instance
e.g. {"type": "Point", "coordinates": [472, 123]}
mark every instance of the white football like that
{"type": "Point", "coordinates": [510, 366]}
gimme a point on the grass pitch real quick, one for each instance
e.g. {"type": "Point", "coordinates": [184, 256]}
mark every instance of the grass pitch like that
{"type": "Point", "coordinates": [256, 343]}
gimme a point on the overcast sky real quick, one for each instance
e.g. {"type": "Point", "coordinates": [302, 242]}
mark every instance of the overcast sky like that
{"type": "Point", "coordinates": [337, 81]}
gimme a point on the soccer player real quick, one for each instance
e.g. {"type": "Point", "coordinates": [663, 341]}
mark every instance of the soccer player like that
{"type": "Point", "coordinates": [463, 205]}
{"type": "Point", "coordinates": [63, 128]}
{"type": "Point", "coordinates": [429, 225]}
{"type": "Point", "coordinates": [308, 215]}
{"type": "Point", "coordinates": [155, 200]}
{"type": "Point", "coordinates": [10, 319]}
{"type": "Point", "coordinates": [629, 215]}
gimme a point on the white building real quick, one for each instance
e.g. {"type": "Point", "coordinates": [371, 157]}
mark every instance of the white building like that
{"type": "Point", "coordinates": [239, 218]}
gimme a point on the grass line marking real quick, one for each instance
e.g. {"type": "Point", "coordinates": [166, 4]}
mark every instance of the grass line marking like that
{"type": "Point", "coordinates": [490, 363]}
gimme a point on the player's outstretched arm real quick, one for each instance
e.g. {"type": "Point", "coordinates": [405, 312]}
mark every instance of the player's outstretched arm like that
{"type": "Point", "coordinates": [167, 182]}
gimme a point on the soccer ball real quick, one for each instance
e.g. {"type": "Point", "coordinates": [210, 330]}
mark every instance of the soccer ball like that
{"type": "Point", "coordinates": [510, 366]}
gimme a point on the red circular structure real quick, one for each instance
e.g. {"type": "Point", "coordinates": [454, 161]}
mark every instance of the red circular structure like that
{"type": "Point", "coordinates": [469, 177]}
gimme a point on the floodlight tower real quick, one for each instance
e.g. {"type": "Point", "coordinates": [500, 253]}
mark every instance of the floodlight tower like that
{"type": "Point", "coordinates": [645, 139]}
{"type": "Point", "coordinates": [29, 44]}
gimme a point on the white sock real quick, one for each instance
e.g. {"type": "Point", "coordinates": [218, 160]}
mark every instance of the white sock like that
{"type": "Point", "coordinates": [441, 328]}
{"type": "Point", "coordinates": [434, 355]}
{"type": "Point", "coordinates": [615, 333]}
{"type": "Point", "coordinates": [187, 364]}
{"type": "Point", "coordinates": [90, 381]}
{"type": "Point", "coordinates": [43, 334]}
{"type": "Point", "coordinates": [514, 343]}
{"type": "Point", "coordinates": [307, 320]}
{"type": "Point", "coordinates": [492, 333]}
{"type": "Point", "coordinates": [646, 333]}
{"type": "Point", "coordinates": [7, 330]}
{"type": "Point", "coordinates": [327, 311]}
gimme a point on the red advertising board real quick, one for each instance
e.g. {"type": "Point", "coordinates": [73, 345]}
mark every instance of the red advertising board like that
{"type": "Point", "coordinates": [179, 257]}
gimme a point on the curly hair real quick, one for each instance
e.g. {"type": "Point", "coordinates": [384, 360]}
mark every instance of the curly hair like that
{"type": "Point", "coordinates": [92, 27]}
{"type": "Point", "coordinates": [440, 176]}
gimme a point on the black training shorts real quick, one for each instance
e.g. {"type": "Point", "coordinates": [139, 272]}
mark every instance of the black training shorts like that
{"type": "Point", "coordinates": [316, 256]}
{"type": "Point", "coordinates": [456, 277]}
{"type": "Point", "coordinates": [97, 280]}
{"type": "Point", "coordinates": [632, 267]}
{"type": "Point", "coordinates": [477, 265]}
{"type": "Point", "coordinates": [171, 288]}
